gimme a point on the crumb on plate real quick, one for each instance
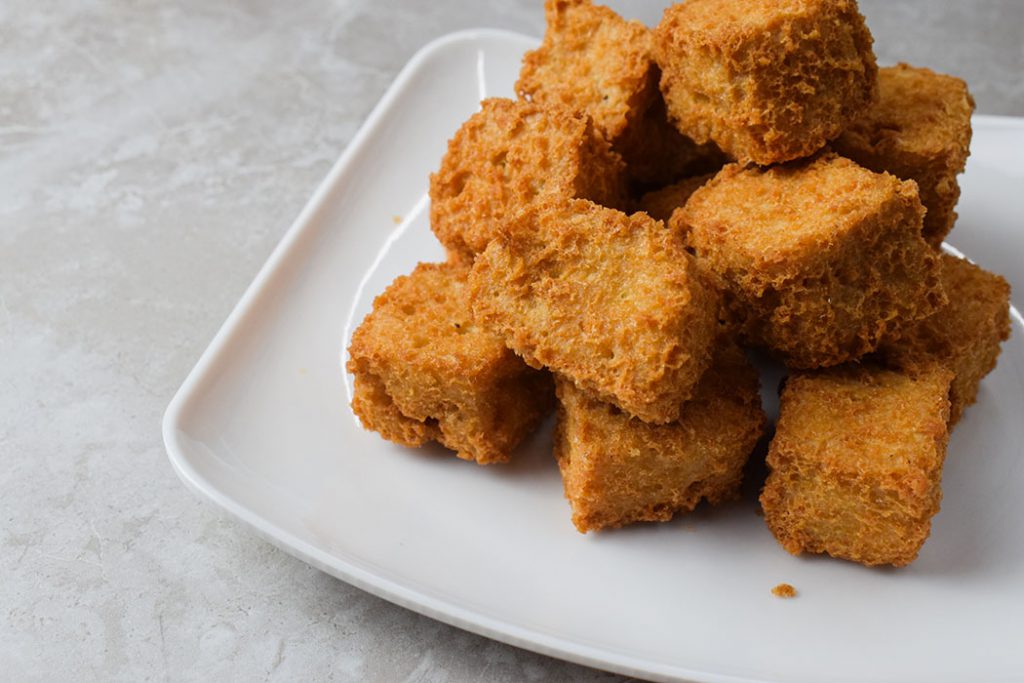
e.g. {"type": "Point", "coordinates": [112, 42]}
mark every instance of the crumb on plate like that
{"type": "Point", "coordinates": [784, 590]}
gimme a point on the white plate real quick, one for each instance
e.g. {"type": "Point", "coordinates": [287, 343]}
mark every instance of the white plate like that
{"type": "Point", "coordinates": [262, 427]}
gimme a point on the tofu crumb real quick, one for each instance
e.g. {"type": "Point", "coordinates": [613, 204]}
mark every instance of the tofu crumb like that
{"type": "Point", "coordinates": [784, 590]}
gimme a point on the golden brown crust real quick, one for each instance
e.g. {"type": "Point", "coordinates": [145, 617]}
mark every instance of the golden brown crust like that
{"type": "Point", "coordinates": [376, 411]}
{"type": "Point", "coordinates": [594, 61]}
{"type": "Point", "coordinates": [767, 80]}
{"type": "Point", "coordinates": [591, 60]}
{"type": "Point", "coordinates": [510, 154]}
{"type": "Point", "coordinates": [964, 336]}
{"type": "Point", "coordinates": [612, 301]}
{"type": "Point", "coordinates": [618, 470]}
{"type": "Point", "coordinates": [425, 371]}
{"type": "Point", "coordinates": [920, 130]}
{"type": "Point", "coordinates": [856, 462]}
{"type": "Point", "coordinates": [821, 259]}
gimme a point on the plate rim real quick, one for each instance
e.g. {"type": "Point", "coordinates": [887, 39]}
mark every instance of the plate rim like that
{"type": "Point", "coordinates": [393, 591]}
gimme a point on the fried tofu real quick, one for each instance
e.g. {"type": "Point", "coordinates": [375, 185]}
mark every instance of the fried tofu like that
{"type": "Point", "coordinates": [613, 302]}
{"type": "Point", "coordinates": [510, 154]}
{"type": "Point", "coordinates": [592, 60]}
{"type": "Point", "coordinates": [424, 371]}
{"type": "Point", "coordinates": [618, 470]}
{"type": "Point", "coordinates": [767, 80]}
{"type": "Point", "coordinates": [920, 130]}
{"type": "Point", "coordinates": [660, 204]}
{"type": "Point", "coordinates": [856, 462]}
{"type": "Point", "coordinates": [821, 260]}
{"type": "Point", "coordinates": [964, 336]}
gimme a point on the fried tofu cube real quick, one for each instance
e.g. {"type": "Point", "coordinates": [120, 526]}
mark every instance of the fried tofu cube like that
{"type": "Point", "coordinates": [510, 154]}
{"type": "Point", "coordinates": [821, 260]}
{"type": "Point", "coordinates": [768, 81]}
{"type": "Point", "coordinates": [614, 302]}
{"type": "Point", "coordinates": [856, 462]}
{"type": "Point", "coordinates": [618, 470]}
{"type": "Point", "coordinates": [424, 371]}
{"type": "Point", "coordinates": [661, 204]}
{"type": "Point", "coordinates": [920, 130]}
{"type": "Point", "coordinates": [964, 336]}
{"type": "Point", "coordinates": [592, 60]}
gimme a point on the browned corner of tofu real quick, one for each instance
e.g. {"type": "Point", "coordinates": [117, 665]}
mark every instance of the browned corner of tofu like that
{"type": "Point", "coordinates": [856, 462]}
{"type": "Point", "coordinates": [424, 370]}
{"type": "Point", "coordinates": [767, 81]}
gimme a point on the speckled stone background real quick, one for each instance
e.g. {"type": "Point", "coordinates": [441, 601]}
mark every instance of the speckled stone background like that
{"type": "Point", "coordinates": [151, 155]}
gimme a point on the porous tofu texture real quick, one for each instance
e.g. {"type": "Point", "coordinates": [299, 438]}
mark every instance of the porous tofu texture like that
{"type": "Point", "coordinates": [594, 61]}
{"type": "Point", "coordinates": [611, 301]}
{"type": "Point", "coordinates": [964, 336]}
{"type": "Point", "coordinates": [767, 80]}
{"type": "Point", "coordinates": [510, 154]}
{"type": "Point", "coordinates": [425, 371]}
{"type": "Point", "coordinates": [591, 60]}
{"type": "Point", "coordinates": [821, 260]}
{"type": "Point", "coordinates": [660, 204]}
{"type": "Point", "coordinates": [856, 463]}
{"type": "Point", "coordinates": [920, 130]}
{"type": "Point", "coordinates": [618, 470]}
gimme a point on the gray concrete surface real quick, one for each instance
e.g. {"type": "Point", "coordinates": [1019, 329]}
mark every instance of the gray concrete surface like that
{"type": "Point", "coordinates": [151, 155]}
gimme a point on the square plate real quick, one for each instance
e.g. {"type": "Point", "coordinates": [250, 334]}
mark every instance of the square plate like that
{"type": "Point", "coordinates": [262, 427]}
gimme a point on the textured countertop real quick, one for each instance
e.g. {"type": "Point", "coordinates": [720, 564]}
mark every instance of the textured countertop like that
{"type": "Point", "coordinates": [151, 156]}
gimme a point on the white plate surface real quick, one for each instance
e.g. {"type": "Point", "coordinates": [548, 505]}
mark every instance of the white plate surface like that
{"type": "Point", "coordinates": [262, 427]}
